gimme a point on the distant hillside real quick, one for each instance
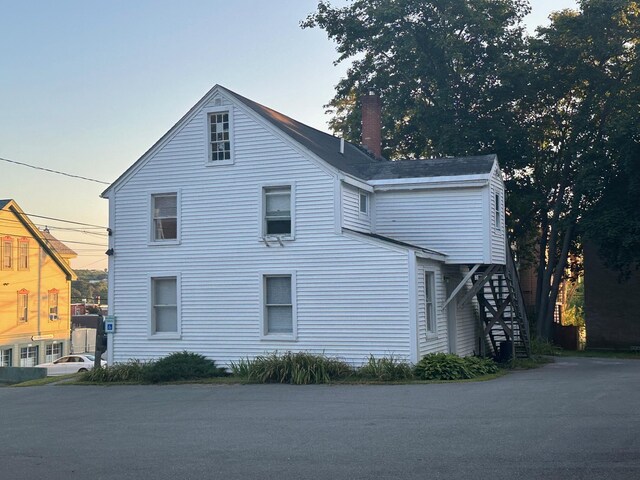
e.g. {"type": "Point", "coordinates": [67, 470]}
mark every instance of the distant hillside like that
{"type": "Point", "coordinates": [90, 285]}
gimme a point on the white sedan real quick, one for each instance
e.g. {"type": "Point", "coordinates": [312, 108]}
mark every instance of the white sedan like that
{"type": "Point", "coordinates": [70, 364]}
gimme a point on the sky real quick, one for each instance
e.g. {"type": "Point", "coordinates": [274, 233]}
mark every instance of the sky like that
{"type": "Point", "coordinates": [87, 86]}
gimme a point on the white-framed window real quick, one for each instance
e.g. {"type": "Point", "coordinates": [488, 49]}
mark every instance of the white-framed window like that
{"type": "Point", "coordinates": [23, 306]}
{"type": "Point", "coordinates": [363, 204]}
{"type": "Point", "coordinates": [430, 303]}
{"type": "Point", "coordinates": [29, 356]}
{"type": "Point", "coordinates": [219, 136]}
{"type": "Point", "coordinates": [164, 217]}
{"type": "Point", "coordinates": [52, 351]}
{"type": "Point", "coordinates": [497, 211]}
{"type": "Point", "coordinates": [278, 216]}
{"type": "Point", "coordinates": [53, 304]}
{"type": "Point", "coordinates": [165, 307]}
{"type": "Point", "coordinates": [6, 357]}
{"type": "Point", "coordinates": [23, 254]}
{"type": "Point", "coordinates": [279, 306]}
{"type": "Point", "coordinates": [7, 253]}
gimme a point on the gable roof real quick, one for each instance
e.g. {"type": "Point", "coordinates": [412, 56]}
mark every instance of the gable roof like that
{"type": "Point", "coordinates": [59, 247]}
{"type": "Point", "coordinates": [355, 160]}
{"type": "Point", "coordinates": [47, 241]}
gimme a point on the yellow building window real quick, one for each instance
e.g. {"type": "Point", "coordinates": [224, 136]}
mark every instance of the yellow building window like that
{"type": "Point", "coordinates": [23, 254]}
{"type": "Point", "coordinates": [7, 253]}
{"type": "Point", "coordinates": [53, 304]}
{"type": "Point", "coordinates": [23, 306]}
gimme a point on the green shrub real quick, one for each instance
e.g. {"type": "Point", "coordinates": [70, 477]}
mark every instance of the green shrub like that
{"type": "Point", "coordinates": [132, 371]}
{"type": "Point", "coordinates": [182, 366]}
{"type": "Point", "coordinates": [445, 366]}
{"type": "Point", "coordinates": [174, 367]}
{"type": "Point", "coordinates": [544, 347]}
{"type": "Point", "coordinates": [385, 369]}
{"type": "Point", "coordinates": [295, 368]}
{"type": "Point", "coordinates": [481, 366]}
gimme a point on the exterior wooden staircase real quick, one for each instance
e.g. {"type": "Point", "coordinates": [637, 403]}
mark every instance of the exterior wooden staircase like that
{"type": "Point", "coordinates": [503, 327]}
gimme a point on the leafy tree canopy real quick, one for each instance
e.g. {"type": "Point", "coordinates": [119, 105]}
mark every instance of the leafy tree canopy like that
{"type": "Point", "coordinates": [560, 108]}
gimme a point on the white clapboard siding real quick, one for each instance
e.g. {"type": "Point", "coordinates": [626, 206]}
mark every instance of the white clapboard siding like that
{"type": "Point", "coordinates": [352, 296]}
{"type": "Point", "coordinates": [439, 342]}
{"type": "Point", "coordinates": [447, 220]}
{"type": "Point", "coordinates": [351, 216]}
{"type": "Point", "coordinates": [497, 234]}
{"type": "Point", "coordinates": [466, 320]}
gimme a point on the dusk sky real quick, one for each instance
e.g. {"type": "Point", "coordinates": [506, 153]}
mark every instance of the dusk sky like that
{"type": "Point", "coordinates": [86, 87]}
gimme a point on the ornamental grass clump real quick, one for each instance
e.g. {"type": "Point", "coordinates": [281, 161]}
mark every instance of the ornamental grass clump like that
{"type": "Point", "coordinates": [385, 369]}
{"type": "Point", "coordinates": [446, 366]}
{"type": "Point", "coordinates": [298, 368]}
{"type": "Point", "coordinates": [132, 371]}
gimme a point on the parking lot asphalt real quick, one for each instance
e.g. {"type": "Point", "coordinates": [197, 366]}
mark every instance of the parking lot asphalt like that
{"type": "Point", "coordinates": [578, 418]}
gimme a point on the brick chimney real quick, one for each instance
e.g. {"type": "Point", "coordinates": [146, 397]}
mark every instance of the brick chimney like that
{"type": "Point", "coordinates": [372, 123]}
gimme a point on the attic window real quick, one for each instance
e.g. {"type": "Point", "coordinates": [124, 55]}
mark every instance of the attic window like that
{"type": "Point", "coordinates": [219, 137]}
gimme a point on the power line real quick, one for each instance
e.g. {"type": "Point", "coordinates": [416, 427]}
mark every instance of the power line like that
{"type": "Point", "coordinates": [55, 171]}
{"type": "Point", "coordinates": [62, 220]}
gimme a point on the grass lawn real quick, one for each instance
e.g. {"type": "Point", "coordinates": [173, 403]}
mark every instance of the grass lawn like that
{"type": "Point", "coordinates": [626, 354]}
{"type": "Point", "coordinates": [47, 381]}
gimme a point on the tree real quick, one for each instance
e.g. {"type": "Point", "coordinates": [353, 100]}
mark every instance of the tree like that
{"type": "Point", "coordinates": [445, 70]}
{"type": "Point", "coordinates": [584, 90]}
{"type": "Point", "coordinates": [461, 77]}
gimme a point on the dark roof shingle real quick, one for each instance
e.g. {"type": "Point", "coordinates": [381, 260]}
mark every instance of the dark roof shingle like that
{"type": "Point", "coordinates": [355, 161]}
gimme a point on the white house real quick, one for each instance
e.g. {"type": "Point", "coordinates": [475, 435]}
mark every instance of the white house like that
{"type": "Point", "coordinates": [243, 231]}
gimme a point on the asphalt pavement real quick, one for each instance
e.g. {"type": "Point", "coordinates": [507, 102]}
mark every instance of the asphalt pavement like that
{"type": "Point", "coordinates": [578, 418]}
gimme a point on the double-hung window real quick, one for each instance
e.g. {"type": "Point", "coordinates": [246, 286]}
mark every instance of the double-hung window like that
{"type": "Point", "coordinates": [164, 306]}
{"type": "Point", "coordinates": [279, 305]}
{"type": "Point", "coordinates": [429, 303]}
{"type": "Point", "coordinates": [220, 136]}
{"type": "Point", "coordinates": [23, 306]}
{"type": "Point", "coordinates": [53, 304]}
{"type": "Point", "coordinates": [277, 211]}
{"type": "Point", "coordinates": [7, 253]}
{"type": "Point", "coordinates": [164, 210]}
{"type": "Point", "coordinates": [23, 254]}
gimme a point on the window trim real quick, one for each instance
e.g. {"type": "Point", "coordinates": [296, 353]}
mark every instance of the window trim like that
{"type": "Point", "coordinates": [23, 243]}
{"type": "Point", "coordinates": [207, 128]}
{"type": "Point", "coordinates": [23, 307]}
{"type": "Point", "coordinates": [29, 348]}
{"type": "Point", "coordinates": [8, 354]}
{"type": "Point", "coordinates": [497, 210]}
{"type": "Point", "coordinates": [151, 223]}
{"type": "Point", "coordinates": [362, 194]}
{"type": "Point", "coordinates": [280, 337]}
{"type": "Point", "coordinates": [7, 240]}
{"type": "Point", "coordinates": [262, 220]}
{"type": "Point", "coordinates": [53, 292]}
{"type": "Point", "coordinates": [433, 333]}
{"type": "Point", "coordinates": [151, 333]}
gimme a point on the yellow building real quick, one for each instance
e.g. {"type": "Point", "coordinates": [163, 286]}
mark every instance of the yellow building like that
{"type": "Point", "coordinates": [35, 291]}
